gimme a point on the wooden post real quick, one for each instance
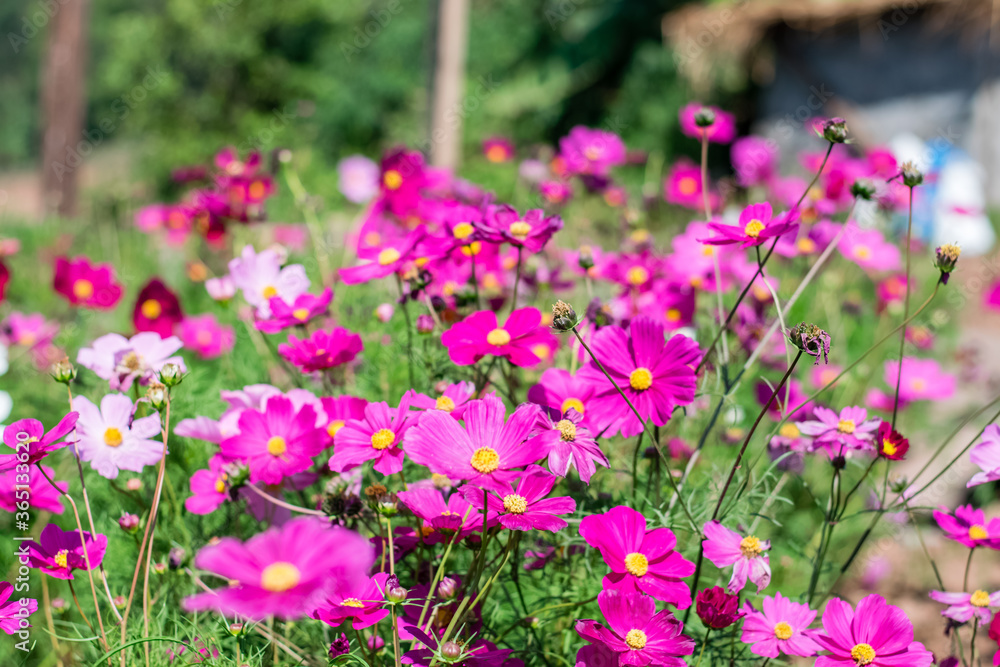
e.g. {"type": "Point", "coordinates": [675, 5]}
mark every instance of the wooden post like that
{"type": "Point", "coordinates": [63, 107]}
{"type": "Point", "coordinates": [449, 83]}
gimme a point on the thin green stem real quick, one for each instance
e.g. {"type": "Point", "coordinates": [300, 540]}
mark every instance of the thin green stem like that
{"type": "Point", "coordinates": [906, 312]}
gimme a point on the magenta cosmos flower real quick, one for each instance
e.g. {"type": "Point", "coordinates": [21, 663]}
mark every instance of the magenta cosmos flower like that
{"type": "Point", "coordinates": [636, 632]}
{"type": "Point", "coordinates": [561, 390]}
{"type": "Point", "coordinates": [209, 487]}
{"type": "Point", "coordinates": [486, 452]}
{"type": "Point", "coordinates": [479, 334]}
{"type": "Point", "coordinates": [986, 455]}
{"type": "Point", "coordinates": [441, 521]}
{"type": "Point", "coordinates": [322, 350]}
{"type": "Point", "coordinates": [14, 613]}
{"type": "Point", "coordinates": [923, 380]}
{"type": "Point", "coordinates": [58, 552]}
{"type": "Point", "coordinates": [503, 224]}
{"type": "Point", "coordinates": [656, 376]}
{"type": "Point", "coordinates": [722, 131]}
{"type": "Point", "coordinates": [29, 436]}
{"type": "Point", "coordinates": [683, 187]}
{"type": "Point", "coordinates": [747, 555]}
{"type": "Point", "coordinates": [498, 149]}
{"type": "Point", "coordinates": [640, 559]}
{"type": "Point", "coordinates": [851, 429]}
{"type": "Point", "coordinates": [569, 444]}
{"type": "Point", "coordinates": [277, 441]}
{"type": "Point", "coordinates": [389, 258]}
{"type": "Point", "coordinates": [285, 572]}
{"type": "Point", "coordinates": [591, 152]}
{"type": "Point", "coordinates": [362, 605]}
{"type": "Point", "coordinates": [781, 627]}
{"type": "Point", "coordinates": [526, 507]}
{"type": "Point", "coordinates": [378, 437]}
{"type": "Point", "coordinates": [969, 527]}
{"type": "Point", "coordinates": [203, 334]}
{"type": "Point", "coordinates": [340, 410]}
{"type": "Point", "coordinates": [31, 488]}
{"type": "Point", "coordinates": [876, 635]}
{"type": "Point", "coordinates": [453, 399]}
{"type": "Point", "coordinates": [84, 284]}
{"type": "Point", "coordinates": [111, 440]}
{"type": "Point", "coordinates": [962, 607]}
{"type": "Point", "coordinates": [122, 361]}
{"type": "Point", "coordinates": [757, 224]}
{"type": "Point", "coordinates": [295, 314]}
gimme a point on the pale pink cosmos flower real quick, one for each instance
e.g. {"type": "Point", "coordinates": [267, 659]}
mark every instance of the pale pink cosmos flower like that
{"type": "Point", "coordinates": [122, 361]}
{"type": "Point", "coordinates": [747, 555]}
{"type": "Point", "coordinates": [868, 249]}
{"type": "Point", "coordinates": [111, 441]}
{"type": "Point", "coordinates": [923, 380]}
{"type": "Point", "coordinates": [204, 335]}
{"type": "Point", "coordinates": [222, 288]}
{"type": "Point", "coordinates": [261, 278]}
{"type": "Point", "coordinates": [850, 429]}
{"type": "Point", "coordinates": [962, 607]}
{"type": "Point", "coordinates": [986, 455]}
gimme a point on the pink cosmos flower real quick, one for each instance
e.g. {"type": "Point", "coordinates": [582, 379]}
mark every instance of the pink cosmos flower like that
{"type": "Point", "coordinates": [122, 361]}
{"type": "Point", "coordinates": [261, 278]}
{"type": "Point", "coordinates": [498, 149]}
{"type": "Point", "coordinates": [391, 257]}
{"type": "Point", "coordinates": [35, 490]}
{"type": "Point", "coordinates": [755, 160]}
{"type": "Point", "coordinates": [479, 334]}
{"type": "Point", "coordinates": [339, 411]}
{"type": "Point", "coordinates": [204, 335]}
{"type": "Point", "coordinates": [560, 390]}
{"type": "Point", "coordinates": [503, 224]}
{"type": "Point", "coordinates": [569, 443]}
{"type": "Point", "coordinates": [363, 605]}
{"type": "Point", "coordinates": [304, 308]}
{"type": "Point", "coordinates": [378, 437]}
{"type": "Point", "coordinates": [486, 452]}
{"type": "Point", "coordinates": [656, 376]}
{"type": "Point", "coordinates": [156, 309]}
{"type": "Point", "coordinates": [526, 507]}
{"type": "Point", "coordinates": [322, 350]}
{"type": "Point", "coordinates": [923, 380]}
{"type": "Point", "coordinates": [222, 288]}
{"type": "Point", "coordinates": [962, 607]}
{"type": "Point", "coordinates": [555, 192]}
{"type": "Point", "coordinates": [58, 552]}
{"type": "Point", "coordinates": [285, 572]}
{"type": "Point", "coordinates": [209, 487]}
{"type": "Point", "coordinates": [403, 177]}
{"type": "Point", "coordinates": [453, 399]}
{"type": "Point", "coordinates": [747, 555]}
{"type": "Point", "coordinates": [868, 249]}
{"type": "Point", "coordinates": [781, 627]}
{"type": "Point", "coordinates": [851, 429]}
{"type": "Point", "coordinates": [969, 527]}
{"type": "Point", "coordinates": [683, 187]}
{"type": "Point", "coordinates": [29, 331]}
{"type": "Point", "coordinates": [636, 632]}
{"type": "Point", "coordinates": [591, 152]}
{"type": "Point", "coordinates": [14, 613]}
{"type": "Point", "coordinates": [276, 442]}
{"type": "Point", "coordinates": [111, 440]}
{"type": "Point", "coordinates": [986, 455]}
{"type": "Point", "coordinates": [40, 444]}
{"type": "Point", "coordinates": [877, 635]}
{"type": "Point", "coordinates": [444, 522]}
{"type": "Point", "coordinates": [757, 224]}
{"type": "Point", "coordinates": [84, 284]}
{"type": "Point", "coordinates": [640, 560]}
{"type": "Point", "coordinates": [358, 178]}
{"type": "Point", "coordinates": [722, 131]}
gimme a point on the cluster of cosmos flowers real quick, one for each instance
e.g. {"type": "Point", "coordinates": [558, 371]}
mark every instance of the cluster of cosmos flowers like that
{"type": "Point", "coordinates": [461, 464]}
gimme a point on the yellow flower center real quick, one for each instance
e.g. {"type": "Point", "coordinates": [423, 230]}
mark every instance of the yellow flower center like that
{"type": "Point", "coordinates": [687, 186]}
{"type": "Point", "coordinates": [567, 430]}
{"type": "Point", "coordinates": [440, 481]}
{"type": "Point", "coordinates": [112, 437]}
{"type": "Point", "coordinates": [151, 309]}
{"type": "Point", "coordinates": [496, 153]}
{"type": "Point", "coordinates": [888, 447]}
{"type": "Point", "coordinates": [636, 564]}
{"type": "Point", "coordinates": [61, 558]}
{"type": "Point", "coordinates": [301, 314]}
{"type": "Point", "coordinates": [463, 230]}
{"type": "Point", "coordinates": [750, 546]}
{"type": "Point", "coordinates": [977, 532]}
{"type": "Point", "coordinates": [352, 602]}
{"type": "Point", "coordinates": [485, 460]}
{"type": "Point", "coordinates": [636, 639]}
{"type": "Point", "coordinates": [388, 256]}
{"type": "Point", "coordinates": [276, 445]}
{"type": "Point", "coordinates": [444, 404]}
{"type": "Point", "coordinates": [806, 245]}
{"type": "Point", "coordinates": [980, 599]}
{"type": "Point", "coordinates": [783, 631]}
{"type": "Point", "coordinates": [515, 504]}
{"type": "Point", "coordinates": [863, 654]}
{"type": "Point", "coordinates": [640, 379]}
{"type": "Point", "coordinates": [392, 179]}
{"type": "Point", "coordinates": [918, 384]}
{"type": "Point", "coordinates": [846, 426]}
{"type": "Point", "coordinates": [256, 190]}
{"type": "Point", "coordinates": [754, 228]}
{"type": "Point", "coordinates": [473, 248]}
{"type": "Point", "coordinates": [789, 431]}
{"type": "Point", "coordinates": [673, 315]}
{"type": "Point", "coordinates": [498, 337]}
{"type": "Point", "coordinates": [519, 230]}
{"type": "Point", "coordinates": [220, 485]}
{"type": "Point", "coordinates": [334, 426]}
{"type": "Point", "coordinates": [383, 438]}
{"type": "Point", "coordinates": [83, 289]}
{"type": "Point", "coordinates": [862, 252]}
{"type": "Point", "coordinates": [269, 292]}
{"type": "Point", "coordinates": [279, 577]}
{"type": "Point", "coordinates": [637, 275]}
{"type": "Point", "coordinates": [574, 403]}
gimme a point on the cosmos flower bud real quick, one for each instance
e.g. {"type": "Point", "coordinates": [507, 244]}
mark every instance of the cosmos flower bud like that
{"type": "Point", "coordinates": [383, 313]}
{"type": "Point", "coordinates": [945, 259]}
{"type": "Point", "coordinates": [156, 393]}
{"type": "Point", "coordinates": [811, 339]}
{"type": "Point", "coordinates": [716, 608]}
{"type": "Point", "coordinates": [563, 316]}
{"type": "Point", "coordinates": [176, 558]}
{"type": "Point", "coordinates": [704, 117]}
{"type": "Point", "coordinates": [912, 177]}
{"type": "Point", "coordinates": [160, 568]}
{"type": "Point", "coordinates": [129, 523]}
{"type": "Point", "coordinates": [236, 629]}
{"type": "Point", "coordinates": [586, 257]}
{"type": "Point", "coordinates": [863, 189]}
{"type": "Point", "coordinates": [425, 324]}
{"type": "Point", "coordinates": [835, 130]}
{"type": "Point", "coordinates": [340, 646]}
{"type": "Point", "coordinates": [120, 601]}
{"type": "Point", "coordinates": [451, 651]}
{"type": "Point", "coordinates": [171, 375]}
{"type": "Point", "coordinates": [63, 371]}
{"type": "Point", "coordinates": [134, 484]}
{"type": "Point", "coordinates": [447, 588]}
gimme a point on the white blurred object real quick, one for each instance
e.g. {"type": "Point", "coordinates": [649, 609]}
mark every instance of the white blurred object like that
{"type": "Point", "coordinates": [909, 147]}
{"type": "Point", "coordinates": [960, 207]}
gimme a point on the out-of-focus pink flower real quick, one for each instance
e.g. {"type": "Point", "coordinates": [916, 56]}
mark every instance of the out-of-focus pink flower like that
{"type": "Point", "coordinates": [30, 331]}
{"type": "Point", "coordinates": [322, 350]}
{"type": "Point", "coordinates": [868, 249]}
{"type": "Point", "coordinates": [849, 430]}
{"type": "Point", "coordinates": [986, 455]}
{"type": "Point", "coordinates": [222, 288]}
{"type": "Point", "coordinates": [591, 152]}
{"type": "Point", "coordinates": [204, 335]}
{"type": "Point", "coordinates": [297, 313]}
{"type": "Point", "coordinates": [358, 178]}
{"type": "Point", "coordinates": [962, 607]}
{"type": "Point", "coordinates": [156, 309]}
{"type": "Point", "coordinates": [498, 149]}
{"type": "Point", "coordinates": [85, 284]}
{"type": "Point", "coordinates": [261, 278]}
{"type": "Point", "coordinates": [755, 160]}
{"type": "Point", "coordinates": [683, 187]}
{"type": "Point", "coordinates": [923, 380]}
{"type": "Point", "coordinates": [722, 131]}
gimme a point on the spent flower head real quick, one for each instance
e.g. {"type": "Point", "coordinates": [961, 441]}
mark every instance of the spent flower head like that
{"type": "Point", "coordinates": [563, 316]}
{"type": "Point", "coordinates": [812, 340]}
{"type": "Point", "coordinates": [945, 259]}
{"type": "Point", "coordinates": [863, 189]}
{"type": "Point", "coordinates": [912, 177]}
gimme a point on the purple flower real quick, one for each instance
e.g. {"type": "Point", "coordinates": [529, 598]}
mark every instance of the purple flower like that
{"type": "Point", "coordinates": [526, 507]}
{"type": "Point", "coordinates": [122, 361]}
{"type": "Point", "coordinates": [718, 609]}
{"type": "Point", "coordinates": [58, 552]}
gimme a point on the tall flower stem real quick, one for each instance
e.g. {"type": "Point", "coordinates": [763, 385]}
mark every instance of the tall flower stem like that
{"type": "Point", "coordinates": [517, 279]}
{"type": "Point", "coordinates": [715, 254]}
{"type": "Point", "coordinates": [403, 302]}
{"type": "Point", "coordinates": [906, 311]}
{"type": "Point", "coordinates": [392, 609]}
{"type": "Point", "coordinates": [968, 566]}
